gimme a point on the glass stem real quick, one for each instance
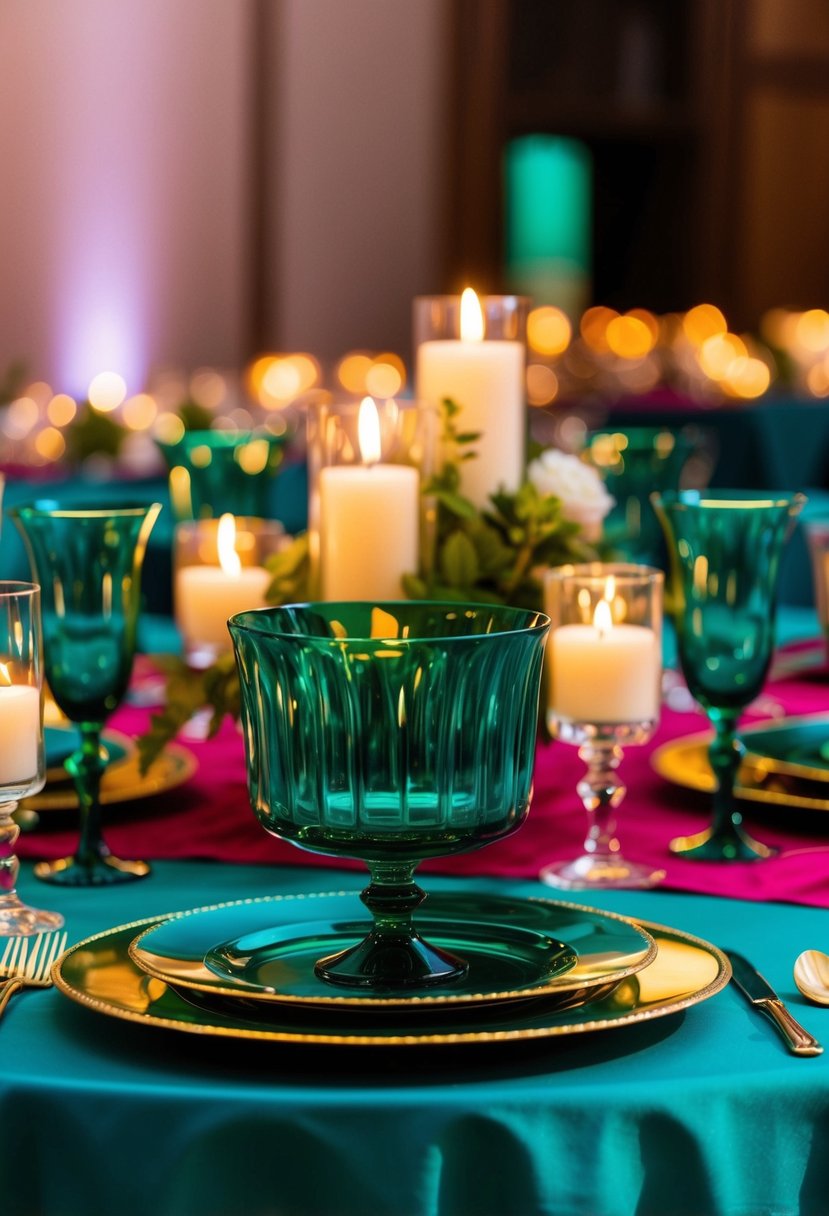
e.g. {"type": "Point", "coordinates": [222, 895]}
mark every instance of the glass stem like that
{"type": "Point", "coordinates": [725, 754]}
{"type": "Point", "coordinates": [601, 791]}
{"type": "Point", "coordinates": [9, 865]}
{"type": "Point", "coordinates": [87, 767]}
{"type": "Point", "coordinates": [392, 897]}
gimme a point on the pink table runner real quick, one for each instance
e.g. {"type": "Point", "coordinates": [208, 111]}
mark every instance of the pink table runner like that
{"type": "Point", "coordinates": [210, 817]}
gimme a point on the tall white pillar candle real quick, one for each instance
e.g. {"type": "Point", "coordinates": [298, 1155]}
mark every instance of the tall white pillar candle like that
{"type": "Point", "coordinates": [486, 379]}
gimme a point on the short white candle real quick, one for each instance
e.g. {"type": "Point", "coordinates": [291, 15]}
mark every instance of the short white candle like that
{"type": "Point", "coordinates": [20, 734]}
{"type": "Point", "coordinates": [369, 522]}
{"type": "Point", "coordinates": [486, 379]}
{"type": "Point", "coordinates": [605, 673]}
{"type": "Point", "coordinates": [206, 596]}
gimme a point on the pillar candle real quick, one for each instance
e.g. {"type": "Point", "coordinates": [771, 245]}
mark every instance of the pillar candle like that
{"type": "Point", "coordinates": [20, 734]}
{"type": "Point", "coordinates": [486, 379]}
{"type": "Point", "coordinates": [369, 530]}
{"type": "Point", "coordinates": [605, 675]}
{"type": "Point", "coordinates": [206, 596]}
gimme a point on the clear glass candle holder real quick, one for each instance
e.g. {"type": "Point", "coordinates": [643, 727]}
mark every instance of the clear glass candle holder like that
{"type": "Point", "coordinates": [473, 351]}
{"type": "Point", "coordinates": [219, 568]}
{"type": "Point", "coordinates": [22, 767]}
{"type": "Point", "coordinates": [604, 692]}
{"type": "Point", "coordinates": [370, 522]}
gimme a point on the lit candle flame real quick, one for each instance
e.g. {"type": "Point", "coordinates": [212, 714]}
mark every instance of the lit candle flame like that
{"type": "Point", "coordinates": [368, 431]}
{"type": "Point", "coordinates": [226, 545]}
{"type": "Point", "coordinates": [602, 617]}
{"type": "Point", "coordinates": [4, 674]}
{"type": "Point", "coordinates": [472, 317]}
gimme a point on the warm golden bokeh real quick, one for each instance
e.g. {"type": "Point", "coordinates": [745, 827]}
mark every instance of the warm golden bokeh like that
{"type": "Point", "coordinates": [548, 331]}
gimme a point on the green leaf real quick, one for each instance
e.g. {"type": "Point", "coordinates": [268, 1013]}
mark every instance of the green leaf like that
{"type": "Point", "coordinates": [457, 504]}
{"type": "Point", "coordinates": [459, 561]}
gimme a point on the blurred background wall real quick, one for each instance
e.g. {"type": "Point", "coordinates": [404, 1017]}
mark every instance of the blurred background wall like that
{"type": "Point", "coordinates": [190, 181]}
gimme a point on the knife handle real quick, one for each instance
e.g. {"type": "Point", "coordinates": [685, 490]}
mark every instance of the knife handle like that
{"type": "Point", "coordinates": [799, 1040]}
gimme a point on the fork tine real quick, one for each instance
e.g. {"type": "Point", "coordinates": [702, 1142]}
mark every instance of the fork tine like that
{"type": "Point", "coordinates": [57, 947]}
{"type": "Point", "coordinates": [31, 960]}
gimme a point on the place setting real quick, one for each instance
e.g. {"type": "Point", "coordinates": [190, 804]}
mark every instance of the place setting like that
{"type": "Point", "coordinates": [385, 695]}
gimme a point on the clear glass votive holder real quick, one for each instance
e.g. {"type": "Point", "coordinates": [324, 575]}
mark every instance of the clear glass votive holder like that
{"type": "Point", "coordinates": [604, 691]}
{"type": "Point", "coordinates": [473, 351]}
{"type": "Point", "coordinates": [22, 764]}
{"type": "Point", "coordinates": [219, 569]}
{"type": "Point", "coordinates": [370, 521]}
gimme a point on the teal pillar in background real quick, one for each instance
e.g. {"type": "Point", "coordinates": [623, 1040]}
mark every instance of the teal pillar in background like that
{"type": "Point", "coordinates": [548, 192]}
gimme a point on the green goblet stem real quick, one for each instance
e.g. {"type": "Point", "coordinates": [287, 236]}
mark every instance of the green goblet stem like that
{"type": "Point", "coordinates": [725, 840]}
{"type": "Point", "coordinates": [393, 952]}
{"type": "Point", "coordinates": [86, 767]}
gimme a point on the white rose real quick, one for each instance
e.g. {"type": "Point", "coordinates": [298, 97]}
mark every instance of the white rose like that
{"type": "Point", "coordinates": [584, 498]}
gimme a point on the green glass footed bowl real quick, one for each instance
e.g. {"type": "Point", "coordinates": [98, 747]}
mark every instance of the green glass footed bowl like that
{"type": "Point", "coordinates": [391, 732]}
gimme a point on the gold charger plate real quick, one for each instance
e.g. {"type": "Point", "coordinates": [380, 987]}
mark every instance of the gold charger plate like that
{"type": "Point", "coordinates": [684, 762]}
{"type": "Point", "coordinates": [124, 782]}
{"type": "Point", "coordinates": [265, 949]}
{"type": "Point", "coordinates": [99, 974]}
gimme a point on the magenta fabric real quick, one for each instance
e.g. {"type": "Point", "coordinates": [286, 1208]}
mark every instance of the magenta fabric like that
{"type": "Point", "coordinates": [210, 817]}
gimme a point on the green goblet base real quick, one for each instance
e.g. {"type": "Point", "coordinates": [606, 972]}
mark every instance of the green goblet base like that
{"type": "Point", "coordinates": [393, 955]}
{"type": "Point", "coordinates": [718, 844]}
{"type": "Point", "coordinates": [97, 871]}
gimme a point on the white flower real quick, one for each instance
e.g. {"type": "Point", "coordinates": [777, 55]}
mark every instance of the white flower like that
{"type": "Point", "coordinates": [584, 498]}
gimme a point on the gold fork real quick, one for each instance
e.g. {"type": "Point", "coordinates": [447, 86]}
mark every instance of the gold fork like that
{"type": "Point", "coordinates": [21, 968]}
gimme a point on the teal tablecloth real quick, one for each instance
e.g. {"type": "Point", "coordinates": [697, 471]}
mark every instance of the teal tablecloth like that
{"type": "Point", "coordinates": [698, 1113]}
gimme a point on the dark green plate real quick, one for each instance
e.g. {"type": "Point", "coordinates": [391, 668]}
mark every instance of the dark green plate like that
{"type": "Point", "coordinates": [61, 741]}
{"type": "Point", "coordinates": [798, 747]}
{"type": "Point", "coordinates": [99, 974]}
{"type": "Point", "coordinates": [265, 949]}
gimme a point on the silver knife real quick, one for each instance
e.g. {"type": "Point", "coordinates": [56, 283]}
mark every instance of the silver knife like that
{"type": "Point", "coordinates": [763, 997]}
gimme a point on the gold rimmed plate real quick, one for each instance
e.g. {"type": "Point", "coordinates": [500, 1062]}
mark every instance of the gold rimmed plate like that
{"type": "Point", "coordinates": [684, 762]}
{"type": "Point", "coordinates": [264, 950]}
{"type": "Point", "coordinates": [796, 746]}
{"type": "Point", "coordinates": [124, 782]}
{"type": "Point", "coordinates": [99, 974]}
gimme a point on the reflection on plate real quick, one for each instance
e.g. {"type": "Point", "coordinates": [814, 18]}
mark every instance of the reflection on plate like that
{"type": "Point", "coordinates": [124, 782]}
{"type": "Point", "coordinates": [796, 746]}
{"type": "Point", "coordinates": [99, 974]}
{"type": "Point", "coordinates": [685, 762]}
{"type": "Point", "coordinates": [267, 949]}
{"type": "Point", "coordinates": [60, 742]}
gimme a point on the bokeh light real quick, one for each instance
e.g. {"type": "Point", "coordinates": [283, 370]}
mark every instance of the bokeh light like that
{"type": "Point", "coordinates": [542, 384]}
{"type": "Point", "coordinates": [812, 330]}
{"type": "Point", "coordinates": [702, 322]}
{"type": "Point", "coordinates": [61, 410]}
{"type": "Point", "coordinates": [593, 327]}
{"type": "Point", "coordinates": [386, 376]}
{"type": "Point", "coordinates": [548, 331]}
{"type": "Point", "coordinates": [629, 337]}
{"type": "Point", "coordinates": [352, 371]}
{"type": "Point", "coordinates": [208, 388]}
{"type": "Point", "coordinates": [106, 391]}
{"type": "Point", "coordinates": [140, 412]}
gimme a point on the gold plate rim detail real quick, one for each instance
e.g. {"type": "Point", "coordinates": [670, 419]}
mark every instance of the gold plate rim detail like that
{"type": "Point", "coordinates": [451, 1038]}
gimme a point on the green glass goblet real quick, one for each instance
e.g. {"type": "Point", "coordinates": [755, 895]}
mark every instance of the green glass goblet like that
{"type": "Point", "coordinates": [390, 732]}
{"type": "Point", "coordinates": [725, 548]}
{"type": "Point", "coordinates": [215, 472]}
{"type": "Point", "coordinates": [634, 462]}
{"type": "Point", "coordinates": [88, 562]}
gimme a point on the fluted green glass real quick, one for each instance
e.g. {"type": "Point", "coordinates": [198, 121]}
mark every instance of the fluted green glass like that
{"type": "Point", "coordinates": [725, 548]}
{"type": "Point", "coordinates": [634, 462]}
{"type": "Point", "coordinates": [390, 732]}
{"type": "Point", "coordinates": [88, 563]}
{"type": "Point", "coordinates": [226, 471]}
